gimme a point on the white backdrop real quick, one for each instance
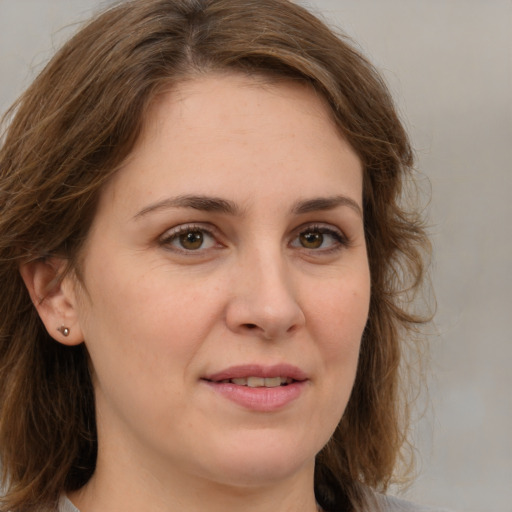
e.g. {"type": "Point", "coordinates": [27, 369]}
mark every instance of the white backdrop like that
{"type": "Point", "coordinates": [449, 64]}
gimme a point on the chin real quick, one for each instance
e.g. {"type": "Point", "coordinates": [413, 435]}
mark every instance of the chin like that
{"type": "Point", "coordinates": [262, 473]}
{"type": "Point", "coordinates": [263, 463]}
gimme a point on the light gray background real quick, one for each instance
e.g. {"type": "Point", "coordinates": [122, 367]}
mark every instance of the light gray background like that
{"type": "Point", "coordinates": [449, 64]}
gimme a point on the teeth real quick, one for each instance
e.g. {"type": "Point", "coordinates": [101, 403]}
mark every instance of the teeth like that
{"type": "Point", "coordinates": [272, 382]}
{"type": "Point", "coordinates": [239, 382]}
{"type": "Point", "coordinates": [255, 382]}
{"type": "Point", "coordinates": [260, 382]}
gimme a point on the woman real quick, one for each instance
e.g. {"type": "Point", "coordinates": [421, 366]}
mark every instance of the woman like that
{"type": "Point", "coordinates": [205, 267]}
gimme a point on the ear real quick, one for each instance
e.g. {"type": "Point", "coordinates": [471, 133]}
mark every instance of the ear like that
{"type": "Point", "coordinates": [54, 297]}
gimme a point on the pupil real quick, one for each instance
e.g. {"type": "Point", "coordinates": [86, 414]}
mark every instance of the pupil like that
{"type": "Point", "coordinates": [191, 240]}
{"type": "Point", "coordinates": [312, 240]}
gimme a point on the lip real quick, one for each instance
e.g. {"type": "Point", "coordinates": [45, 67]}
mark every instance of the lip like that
{"type": "Point", "coordinates": [261, 399]}
{"type": "Point", "coordinates": [256, 370]}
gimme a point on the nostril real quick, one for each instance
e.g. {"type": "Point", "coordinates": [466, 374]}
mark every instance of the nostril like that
{"type": "Point", "coordinates": [250, 326]}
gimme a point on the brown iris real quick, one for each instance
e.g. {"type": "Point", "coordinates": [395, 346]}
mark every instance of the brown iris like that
{"type": "Point", "coordinates": [191, 240]}
{"type": "Point", "coordinates": [311, 240]}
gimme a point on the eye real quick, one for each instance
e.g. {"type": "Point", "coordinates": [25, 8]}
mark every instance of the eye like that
{"type": "Point", "coordinates": [321, 238]}
{"type": "Point", "coordinates": [189, 239]}
{"type": "Point", "coordinates": [311, 240]}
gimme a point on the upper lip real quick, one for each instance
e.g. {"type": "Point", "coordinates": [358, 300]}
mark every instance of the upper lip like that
{"type": "Point", "coordinates": [256, 370]}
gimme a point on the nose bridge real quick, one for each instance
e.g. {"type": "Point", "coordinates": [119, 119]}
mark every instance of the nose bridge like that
{"type": "Point", "coordinates": [265, 300]}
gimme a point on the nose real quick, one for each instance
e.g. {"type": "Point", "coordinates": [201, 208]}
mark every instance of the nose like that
{"type": "Point", "coordinates": [264, 300]}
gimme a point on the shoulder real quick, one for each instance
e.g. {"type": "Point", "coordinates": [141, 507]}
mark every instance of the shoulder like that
{"type": "Point", "coordinates": [372, 501]}
{"type": "Point", "coordinates": [66, 506]}
{"type": "Point", "coordinates": [393, 504]}
{"type": "Point", "coordinates": [381, 503]}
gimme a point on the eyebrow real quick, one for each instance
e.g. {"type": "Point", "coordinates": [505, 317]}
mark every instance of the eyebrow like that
{"type": "Point", "coordinates": [326, 203]}
{"type": "Point", "coordinates": [203, 203]}
{"type": "Point", "coordinates": [216, 204]}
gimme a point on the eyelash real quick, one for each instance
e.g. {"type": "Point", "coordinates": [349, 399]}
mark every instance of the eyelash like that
{"type": "Point", "coordinates": [339, 238]}
{"type": "Point", "coordinates": [340, 241]}
{"type": "Point", "coordinates": [170, 236]}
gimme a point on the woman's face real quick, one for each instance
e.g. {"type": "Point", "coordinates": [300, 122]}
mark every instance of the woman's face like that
{"type": "Point", "coordinates": [226, 286]}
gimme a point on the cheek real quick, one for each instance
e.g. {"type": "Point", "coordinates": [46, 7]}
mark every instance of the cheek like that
{"type": "Point", "coordinates": [142, 333]}
{"type": "Point", "coordinates": [340, 321]}
{"type": "Point", "coordinates": [337, 326]}
{"type": "Point", "coordinates": [152, 316]}
{"type": "Point", "coordinates": [341, 315]}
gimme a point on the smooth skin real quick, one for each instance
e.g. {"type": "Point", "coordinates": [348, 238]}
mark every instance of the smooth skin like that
{"type": "Point", "coordinates": [233, 235]}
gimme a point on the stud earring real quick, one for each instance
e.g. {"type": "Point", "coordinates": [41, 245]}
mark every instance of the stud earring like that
{"type": "Point", "coordinates": [63, 330]}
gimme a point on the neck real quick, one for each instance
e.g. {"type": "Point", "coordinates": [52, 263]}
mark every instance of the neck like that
{"type": "Point", "coordinates": [112, 489]}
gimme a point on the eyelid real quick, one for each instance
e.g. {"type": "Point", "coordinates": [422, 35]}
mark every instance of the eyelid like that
{"type": "Point", "coordinates": [342, 240]}
{"type": "Point", "coordinates": [173, 233]}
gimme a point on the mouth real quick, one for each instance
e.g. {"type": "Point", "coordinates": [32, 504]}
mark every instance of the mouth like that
{"type": "Point", "coordinates": [259, 388]}
{"type": "Point", "coordinates": [259, 376]}
{"type": "Point", "coordinates": [257, 382]}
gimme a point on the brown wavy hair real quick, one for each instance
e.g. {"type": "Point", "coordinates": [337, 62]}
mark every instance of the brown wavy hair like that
{"type": "Point", "coordinates": [69, 133]}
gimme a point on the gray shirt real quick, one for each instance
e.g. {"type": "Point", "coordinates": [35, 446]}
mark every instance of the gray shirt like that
{"type": "Point", "coordinates": [387, 504]}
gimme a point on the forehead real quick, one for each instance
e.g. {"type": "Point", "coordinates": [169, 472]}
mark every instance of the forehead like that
{"type": "Point", "coordinates": [228, 95]}
{"type": "Point", "coordinates": [231, 127]}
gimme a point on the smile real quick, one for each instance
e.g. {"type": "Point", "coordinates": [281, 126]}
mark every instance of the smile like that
{"type": "Point", "coordinates": [259, 388]}
{"type": "Point", "coordinates": [259, 382]}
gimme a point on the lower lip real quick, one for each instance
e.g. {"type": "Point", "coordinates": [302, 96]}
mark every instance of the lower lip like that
{"type": "Point", "coordinates": [260, 399]}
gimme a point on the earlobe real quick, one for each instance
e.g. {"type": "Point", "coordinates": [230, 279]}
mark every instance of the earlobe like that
{"type": "Point", "coordinates": [54, 298]}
